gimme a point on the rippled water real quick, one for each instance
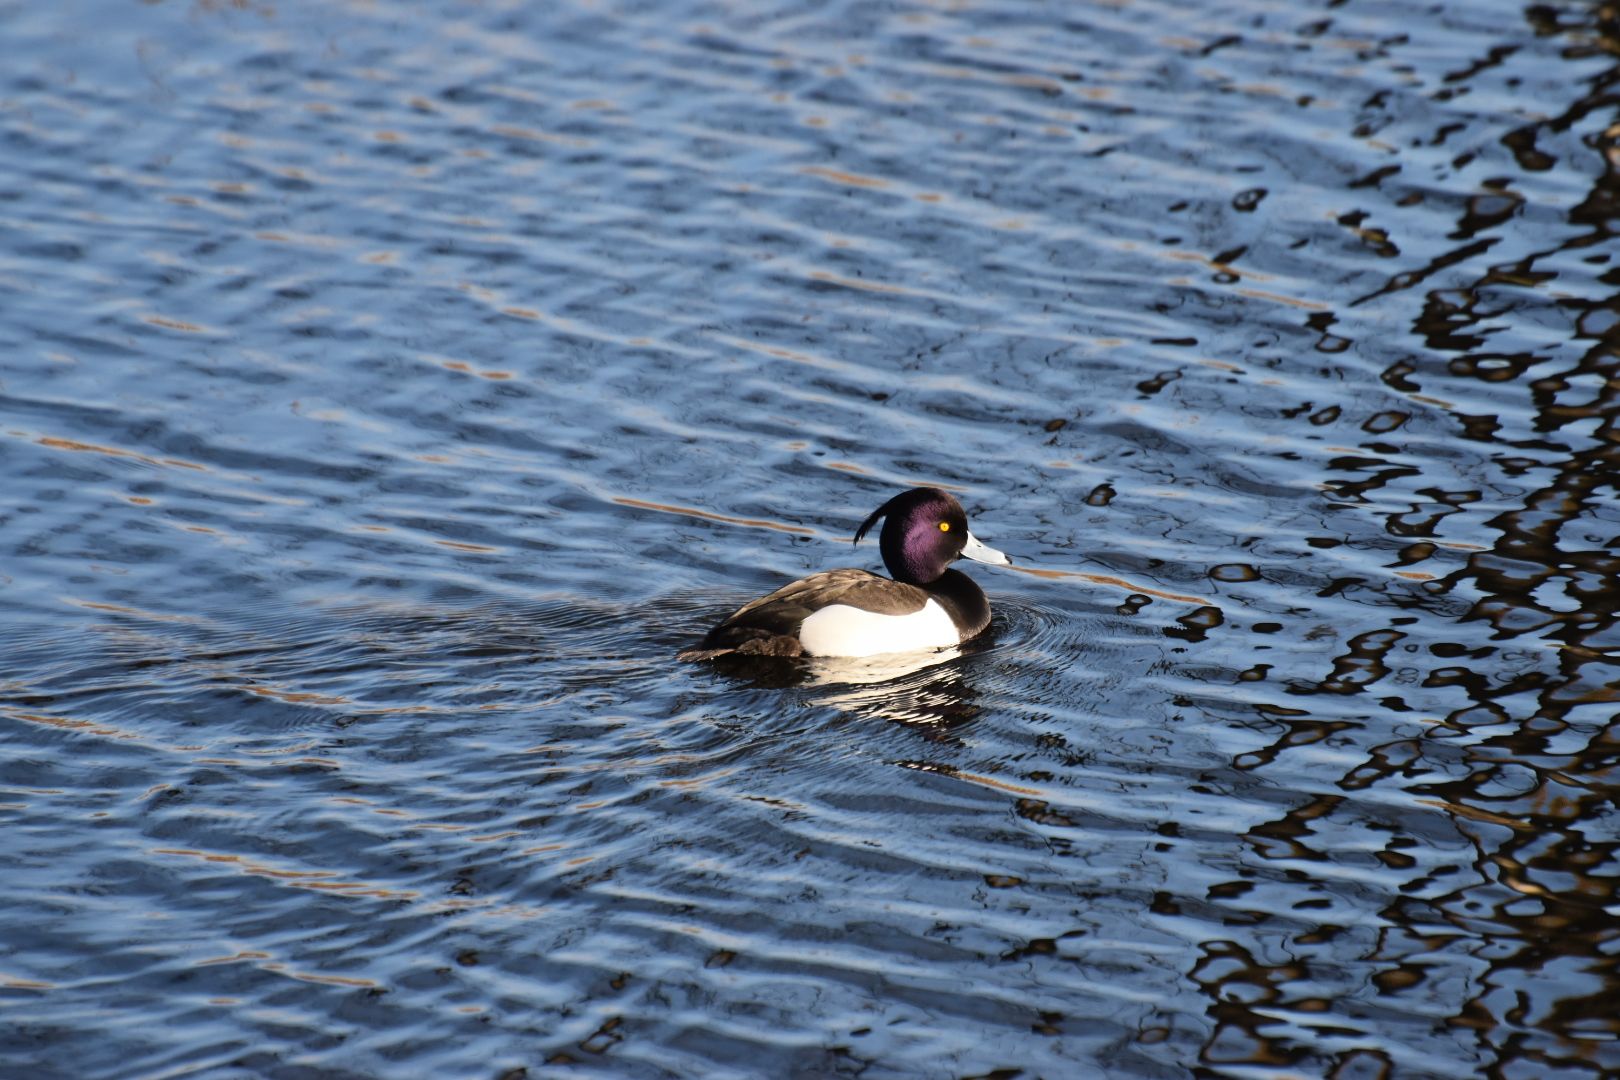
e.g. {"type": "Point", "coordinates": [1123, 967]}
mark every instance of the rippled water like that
{"type": "Point", "coordinates": [388, 392]}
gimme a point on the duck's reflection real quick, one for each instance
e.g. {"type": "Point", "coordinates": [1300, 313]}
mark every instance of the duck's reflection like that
{"type": "Point", "coordinates": [929, 690]}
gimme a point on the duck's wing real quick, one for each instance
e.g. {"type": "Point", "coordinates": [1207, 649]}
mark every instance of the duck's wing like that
{"type": "Point", "coordinates": [771, 623]}
{"type": "Point", "coordinates": [787, 607]}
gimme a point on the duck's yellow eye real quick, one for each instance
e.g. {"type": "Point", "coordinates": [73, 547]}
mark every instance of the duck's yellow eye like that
{"type": "Point", "coordinates": [944, 526]}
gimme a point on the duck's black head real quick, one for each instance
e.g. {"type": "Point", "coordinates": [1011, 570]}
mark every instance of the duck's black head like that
{"type": "Point", "coordinates": [924, 531]}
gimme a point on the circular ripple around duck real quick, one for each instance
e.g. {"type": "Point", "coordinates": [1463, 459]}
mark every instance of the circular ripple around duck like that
{"type": "Point", "coordinates": [1023, 626]}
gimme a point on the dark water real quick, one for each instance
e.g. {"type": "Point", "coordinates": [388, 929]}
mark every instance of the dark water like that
{"type": "Point", "coordinates": [388, 392]}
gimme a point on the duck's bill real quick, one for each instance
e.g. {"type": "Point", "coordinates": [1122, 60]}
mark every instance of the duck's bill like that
{"type": "Point", "coordinates": [979, 553]}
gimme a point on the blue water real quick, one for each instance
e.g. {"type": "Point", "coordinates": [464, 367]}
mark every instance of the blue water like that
{"type": "Point", "coordinates": [388, 392]}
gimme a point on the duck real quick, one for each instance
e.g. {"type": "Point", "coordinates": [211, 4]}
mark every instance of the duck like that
{"type": "Point", "coordinates": [923, 604]}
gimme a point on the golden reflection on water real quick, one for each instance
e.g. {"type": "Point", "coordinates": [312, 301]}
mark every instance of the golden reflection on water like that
{"type": "Point", "coordinates": [708, 515]}
{"type": "Point", "coordinates": [56, 443]}
{"type": "Point", "coordinates": [850, 179]}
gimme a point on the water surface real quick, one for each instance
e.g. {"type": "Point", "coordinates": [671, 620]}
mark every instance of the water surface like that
{"type": "Point", "coordinates": [387, 393]}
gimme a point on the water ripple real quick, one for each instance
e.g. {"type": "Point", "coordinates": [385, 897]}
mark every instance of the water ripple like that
{"type": "Point", "coordinates": [386, 401]}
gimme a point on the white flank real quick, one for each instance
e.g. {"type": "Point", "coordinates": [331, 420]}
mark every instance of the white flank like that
{"type": "Point", "coordinates": [841, 630]}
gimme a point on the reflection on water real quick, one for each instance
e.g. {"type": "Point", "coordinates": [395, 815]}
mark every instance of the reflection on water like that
{"type": "Point", "coordinates": [925, 689]}
{"type": "Point", "coordinates": [386, 397]}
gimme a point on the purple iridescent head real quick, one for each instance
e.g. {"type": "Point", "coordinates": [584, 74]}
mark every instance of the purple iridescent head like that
{"type": "Point", "coordinates": [924, 531]}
